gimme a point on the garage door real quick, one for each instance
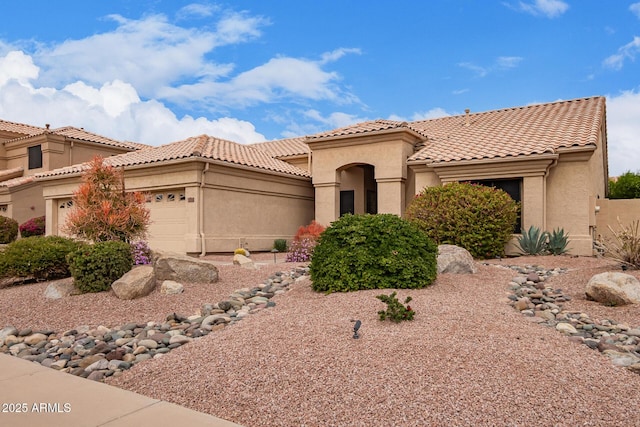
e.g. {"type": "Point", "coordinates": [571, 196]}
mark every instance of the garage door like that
{"type": "Point", "coordinates": [168, 221]}
{"type": "Point", "coordinates": [64, 207]}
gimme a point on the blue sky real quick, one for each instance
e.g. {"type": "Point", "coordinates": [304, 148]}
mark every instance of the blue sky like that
{"type": "Point", "coordinates": [158, 71]}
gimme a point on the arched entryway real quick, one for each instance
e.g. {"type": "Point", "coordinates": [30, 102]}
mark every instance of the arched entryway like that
{"type": "Point", "coordinates": [358, 189]}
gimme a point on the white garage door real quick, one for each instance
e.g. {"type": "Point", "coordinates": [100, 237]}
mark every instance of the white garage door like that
{"type": "Point", "coordinates": [64, 207]}
{"type": "Point", "coordinates": [168, 221]}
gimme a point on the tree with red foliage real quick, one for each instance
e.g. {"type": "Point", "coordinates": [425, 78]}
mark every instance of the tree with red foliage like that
{"type": "Point", "coordinates": [311, 231]}
{"type": "Point", "coordinates": [103, 210]}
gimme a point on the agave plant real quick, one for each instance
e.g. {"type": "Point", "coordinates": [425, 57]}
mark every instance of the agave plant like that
{"type": "Point", "coordinates": [558, 242]}
{"type": "Point", "coordinates": [533, 241]}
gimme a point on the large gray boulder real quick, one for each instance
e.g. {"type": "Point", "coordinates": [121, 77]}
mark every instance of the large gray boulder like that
{"type": "Point", "coordinates": [185, 269]}
{"type": "Point", "coordinates": [614, 289]}
{"type": "Point", "coordinates": [60, 289]}
{"type": "Point", "coordinates": [136, 283]}
{"type": "Point", "coordinates": [454, 259]}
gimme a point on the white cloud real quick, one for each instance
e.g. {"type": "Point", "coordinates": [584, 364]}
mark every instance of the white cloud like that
{"type": "Point", "coordinates": [278, 79]}
{"type": "Point", "coordinates": [547, 8]}
{"type": "Point", "coordinates": [113, 109]}
{"type": "Point", "coordinates": [196, 10]}
{"type": "Point", "coordinates": [149, 53]}
{"type": "Point", "coordinates": [17, 66]}
{"type": "Point", "coordinates": [508, 61]}
{"type": "Point", "coordinates": [623, 129]}
{"type": "Point", "coordinates": [478, 70]}
{"type": "Point", "coordinates": [312, 121]}
{"type": "Point", "coordinates": [501, 63]}
{"type": "Point", "coordinates": [628, 51]}
{"type": "Point", "coordinates": [635, 9]}
{"type": "Point", "coordinates": [433, 113]}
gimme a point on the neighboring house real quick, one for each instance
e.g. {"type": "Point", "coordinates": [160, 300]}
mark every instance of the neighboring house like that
{"type": "Point", "coordinates": [26, 151]}
{"type": "Point", "coordinates": [211, 195]}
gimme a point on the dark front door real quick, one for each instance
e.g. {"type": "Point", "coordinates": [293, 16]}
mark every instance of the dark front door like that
{"type": "Point", "coordinates": [347, 205]}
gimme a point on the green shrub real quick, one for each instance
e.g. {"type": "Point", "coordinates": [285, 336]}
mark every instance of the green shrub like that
{"type": "Point", "coordinates": [33, 227]}
{"type": "Point", "coordinates": [95, 267]}
{"type": "Point", "coordinates": [44, 258]}
{"type": "Point", "coordinates": [478, 218]}
{"type": "Point", "coordinates": [558, 242]}
{"type": "Point", "coordinates": [627, 186]}
{"type": "Point", "coordinates": [396, 311]}
{"type": "Point", "coordinates": [280, 245]}
{"type": "Point", "coordinates": [371, 252]}
{"type": "Point", "coordinates": [8, 229]}
{"type": "Point", "coordinates": [533, 242]}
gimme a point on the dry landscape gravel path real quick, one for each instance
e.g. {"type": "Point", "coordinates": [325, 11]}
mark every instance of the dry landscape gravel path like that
{"type": "Point", "coordinates": [468, 358]}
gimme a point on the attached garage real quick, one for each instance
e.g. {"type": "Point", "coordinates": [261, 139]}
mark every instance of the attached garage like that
{"type": "Point", "coordinates": [168, 219]}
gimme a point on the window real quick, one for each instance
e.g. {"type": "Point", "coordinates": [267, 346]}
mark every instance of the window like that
{"type": "Point", "coordinates": [35, 157]}
{"type": "Point", "coordinates": [347, 205]}
{"type": "Point", "coordinates": [513, 187]}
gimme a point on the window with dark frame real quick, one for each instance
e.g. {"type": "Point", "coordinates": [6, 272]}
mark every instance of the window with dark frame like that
{"type": "Point", "coordinates": [35, 157]}
{"type": "Point", "coordinates": [513, 187]}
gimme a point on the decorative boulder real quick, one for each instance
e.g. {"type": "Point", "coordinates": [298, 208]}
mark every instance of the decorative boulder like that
{"type": "Point", "coordinates": [454, 259]}
{"type": "Point", "coordinates": [136, 283]}
{"type": "Point", "coordinates": [60, 289]}
{"type": "Point", "coordinates": [243, 261]}
{"type": "Point", "coordinates": [614, 289]}
{"type": "Point", "coordinates": [170, 287]}
{"type": "Point", "coordinates": [185, 269]}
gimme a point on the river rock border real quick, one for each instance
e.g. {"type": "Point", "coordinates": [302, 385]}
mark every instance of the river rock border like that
{"type": "Point", "coordinates": [541, 303]}
{"type": "Point", "coordinates": [102, 352]}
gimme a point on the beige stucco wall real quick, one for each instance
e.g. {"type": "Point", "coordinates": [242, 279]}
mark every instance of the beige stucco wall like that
{"type": "Point", "coordinates": [613, 212]}
{"type": "Point", "coordinates": [252, 209]}
{"type": "Point", "coordinates": [23, 203]}
{"type": "Point", "coordinates": [230, 205]}
{"type": "Point", "coordinates": [387, 152]}
{"type": "Point", "coordinates": [57, 152]}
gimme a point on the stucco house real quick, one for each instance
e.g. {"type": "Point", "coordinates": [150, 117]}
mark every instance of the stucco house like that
{"type": "Point", "coordinates": [211, 195]}
{"type": "Point", "coordinates": [26, 151]}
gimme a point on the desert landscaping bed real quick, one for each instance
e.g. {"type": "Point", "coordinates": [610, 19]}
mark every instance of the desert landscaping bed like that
{"type": "Point", "coordinates": [467, 358]}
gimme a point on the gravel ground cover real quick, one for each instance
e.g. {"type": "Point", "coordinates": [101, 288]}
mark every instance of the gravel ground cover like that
{"type": "Point", "coordinates": [468, 358]}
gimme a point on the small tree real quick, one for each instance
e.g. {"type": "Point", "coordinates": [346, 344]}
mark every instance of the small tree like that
{"type": "Point", "coordinates": [103, 210]}
{"type": "Point", "coordinates": [627, 186]}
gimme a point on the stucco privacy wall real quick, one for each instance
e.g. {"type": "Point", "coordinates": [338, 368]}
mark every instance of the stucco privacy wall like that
{"type": "Point", "coordinates": [610, 211]}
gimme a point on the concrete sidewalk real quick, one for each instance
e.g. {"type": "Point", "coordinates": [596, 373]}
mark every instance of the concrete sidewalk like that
{"type": "Point", "coordinates": [47, 397]}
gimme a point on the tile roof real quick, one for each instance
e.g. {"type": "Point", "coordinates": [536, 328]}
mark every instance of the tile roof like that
{"type": "Point", "coordinates": [283, 147]}
{"type": "Point", "coordinates": [364, 127]}
{"type": "Point", "coordinates": [82, 135]}
{"type": "Point", "coordinates": [11, 173]}
{"type": "Point", "coordinates": [203, 146]}
{"type": "Point", "coordinates": [15, 182]}
{"type": "Point", "coordinates": [20, 128]}
{"type": "Point", "coordinates": [511, 132]}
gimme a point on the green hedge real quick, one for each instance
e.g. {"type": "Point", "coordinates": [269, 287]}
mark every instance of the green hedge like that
{"type": "Point", "coordinates": [372, 252]}
{"type": "Point", "coordinates": [44, 258]}
{"type": "Point", "coordinates": [95, 267]}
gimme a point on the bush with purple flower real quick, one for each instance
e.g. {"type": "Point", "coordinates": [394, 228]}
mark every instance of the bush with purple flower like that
{"type": "Point", "coordinates": [33, 227]}
{"type": "Point", "coordinates": [141, 253]}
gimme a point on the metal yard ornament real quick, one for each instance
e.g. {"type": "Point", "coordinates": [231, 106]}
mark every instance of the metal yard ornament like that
{"type": "Point", "coordinates": [355, 329]}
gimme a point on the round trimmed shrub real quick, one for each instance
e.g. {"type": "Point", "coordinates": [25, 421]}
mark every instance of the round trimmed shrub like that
{"type": "Point", "coordinates": [372, 252]}
{"type": "Point", "coordinates": [478, 218]}
{"type": "Point", "coordinates": [44, 258]}
{"type": "Point", "coordinates": [8, 229]}
{"type": "Point", "coordinates": [95, 267]}
{"type": "Point", "coordinates": [33, 227]}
